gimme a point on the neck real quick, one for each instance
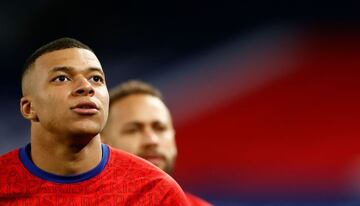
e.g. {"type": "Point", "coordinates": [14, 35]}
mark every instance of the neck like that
{"type": "Point", "coordinates": [66, 157]}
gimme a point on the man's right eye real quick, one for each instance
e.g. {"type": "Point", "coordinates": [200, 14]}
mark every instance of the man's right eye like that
{"type": "Point", "coordinates": [131, 130]}
{"type": "Point", "coordinates": [61, 78]}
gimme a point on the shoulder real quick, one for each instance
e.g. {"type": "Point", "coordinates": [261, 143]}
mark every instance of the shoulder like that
{"type": "Point", "coordinates": [9, 158]}
{"type": "Point", "coordinates": [133, 165]}
{"type": "Point", "coordinates": [145, 180]}
{"type": "Point", "coordinates": [10, 165]}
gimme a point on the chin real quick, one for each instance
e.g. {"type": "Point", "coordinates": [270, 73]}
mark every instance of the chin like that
{"type": "Point", "coordinates": [88, 127]}
{"type": "Point", "coordinates": [86, 132]}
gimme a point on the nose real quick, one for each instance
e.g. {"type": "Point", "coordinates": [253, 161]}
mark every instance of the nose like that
{"type": "Point", "coordinates": [83, 88]}
{"type": "Point", "coordinates": [150, 138]}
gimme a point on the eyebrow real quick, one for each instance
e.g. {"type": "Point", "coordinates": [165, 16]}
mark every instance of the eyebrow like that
{"type": "Point", "coordinates": [71, 69]}
{"type": "Point", "coordinates": [139, 123]}
{"type": "Point", "coordinates": [134, 123]}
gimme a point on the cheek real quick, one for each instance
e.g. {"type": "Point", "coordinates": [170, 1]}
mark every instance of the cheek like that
{"type": "Point", "coordinates": [129, 143]}
{"type": "Point", "coordinates": [169, 145]}
{"type": "Point", "coordinates": [103, 96]}
{"type": "Point", "coordinates": [46, 102]}
{"type": "Point", "coordinates": [169, 139]}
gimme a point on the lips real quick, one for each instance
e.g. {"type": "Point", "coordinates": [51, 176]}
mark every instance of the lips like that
{"type": "Point", "coordinates": [154, 159]}
{"type": "Point", "coordinates": [86, 108]}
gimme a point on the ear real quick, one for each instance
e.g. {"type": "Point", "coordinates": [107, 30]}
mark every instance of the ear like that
{"type": "Point", "coordinates": [27, 110]}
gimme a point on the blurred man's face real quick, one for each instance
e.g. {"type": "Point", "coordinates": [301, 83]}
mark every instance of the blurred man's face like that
{"type": "Point", "coordinates": [141, 124]}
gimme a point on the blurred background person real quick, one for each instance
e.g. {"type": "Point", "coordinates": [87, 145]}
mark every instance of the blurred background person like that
{"type": "Point", "coordinates": [140, 123]}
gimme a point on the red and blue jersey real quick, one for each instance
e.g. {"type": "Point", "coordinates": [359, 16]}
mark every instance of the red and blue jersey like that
{"type": "Point", "coordinates": [119, 179]}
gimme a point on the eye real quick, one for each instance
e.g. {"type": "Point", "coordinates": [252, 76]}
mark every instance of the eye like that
{"type": "Point", "coordinates": [131, 130]}
{"type": "Point", "coordinates": [97, 78]}
{"type": "Point", "coordinates": [61, 78]}
{"type": "Point", "coordinates": [159, 127]}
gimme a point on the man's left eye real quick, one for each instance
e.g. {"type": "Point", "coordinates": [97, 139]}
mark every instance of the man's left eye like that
{"type": "Point", "coordinates": [97, 79]}
{"type": "Point", "coordinates": [61, 78]}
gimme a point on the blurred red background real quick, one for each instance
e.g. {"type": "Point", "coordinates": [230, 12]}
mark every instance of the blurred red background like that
{"type": "Point", "coordinates": [295, 136]}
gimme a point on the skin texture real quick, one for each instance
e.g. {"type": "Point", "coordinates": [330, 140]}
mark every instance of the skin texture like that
{"type": "Point", "coordinates": [141, 124]}
{"type": "Point", "coordinates": [65, 139]}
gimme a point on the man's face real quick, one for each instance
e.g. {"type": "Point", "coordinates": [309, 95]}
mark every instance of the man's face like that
{"type": "Point", "coordinates": [141, 124]}
{"type": "Point", "coordinates": [67, 92]}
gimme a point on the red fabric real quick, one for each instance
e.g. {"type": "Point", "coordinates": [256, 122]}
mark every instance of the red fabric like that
{"type": "Point", "coordinates": [126, 180]}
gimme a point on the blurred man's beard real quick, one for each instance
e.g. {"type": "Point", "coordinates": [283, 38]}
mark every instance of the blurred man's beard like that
{"type": "Point", "coordinates": [169, 166]}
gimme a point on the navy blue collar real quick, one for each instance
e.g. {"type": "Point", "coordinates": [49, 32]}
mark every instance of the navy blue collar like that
{"type": "Point", "coordinates": [24, 155]}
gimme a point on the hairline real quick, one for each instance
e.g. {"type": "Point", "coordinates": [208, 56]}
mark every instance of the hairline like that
{"type": "Point", "coordinates": [118, 99]}
{"type": "Point", "coordinates": [31, 65]}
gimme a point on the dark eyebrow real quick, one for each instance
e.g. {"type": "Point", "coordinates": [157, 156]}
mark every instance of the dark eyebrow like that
{"type": "Point", "coordinates": [61, 69]}
{"type": "Point", "coordinates": [95, 69]}
{"type": "Point", "coordinates": [158, 122]}
{"type": "Point", "coordinates": [71, 69]}
{"type": "Point", "coordinates": [135, 123]}
{"type": "Point", "coordinates": [140, 123]}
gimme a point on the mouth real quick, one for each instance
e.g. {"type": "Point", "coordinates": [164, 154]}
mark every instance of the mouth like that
{"type": "Point", "coordinates": [85, 108]}
{"type": "Point", "coordinates": [154, 159]}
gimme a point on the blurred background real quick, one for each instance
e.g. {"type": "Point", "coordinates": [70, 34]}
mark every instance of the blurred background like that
{"type": "Point", "coordinates": [264, 94]}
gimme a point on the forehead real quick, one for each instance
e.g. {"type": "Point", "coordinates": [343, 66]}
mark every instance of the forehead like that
{"type": "Point", "coordinates": [71, 57]}
{"type": "Point", "coordinates": [139, 107]}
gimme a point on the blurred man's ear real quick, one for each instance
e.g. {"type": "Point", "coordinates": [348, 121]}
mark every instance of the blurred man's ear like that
{"type": "Point", "coordinates": [27, 110]}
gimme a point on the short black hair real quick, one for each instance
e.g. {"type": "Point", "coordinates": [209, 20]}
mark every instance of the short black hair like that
{"type": "Point", "coordinates": [58, 44]}
{"type": "Point", "coordinates": [131, 87]}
